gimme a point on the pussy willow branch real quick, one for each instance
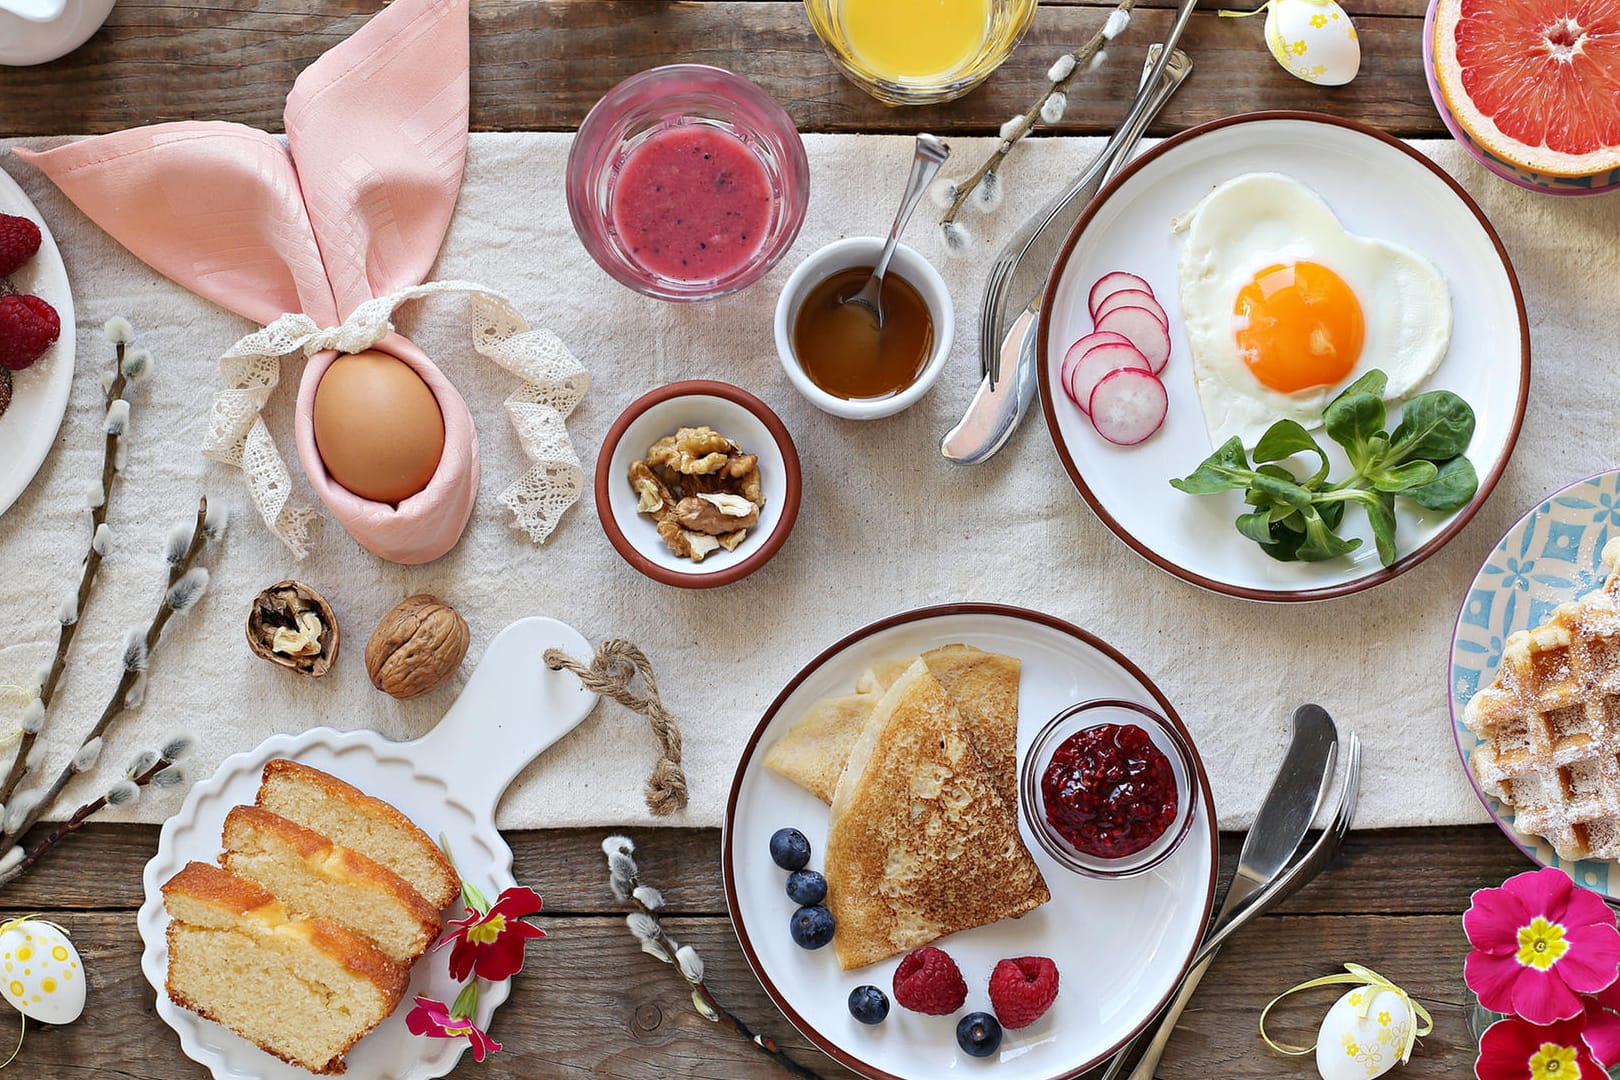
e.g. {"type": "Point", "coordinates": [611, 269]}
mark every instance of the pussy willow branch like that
{"type": "Point", "coordinates": [1082, 63]}
{"type": "Point", "coordinates": [87, 577]}
{"type": "Point", "coordinates": [119, 700]}
{"type": "Point", "coordinates": [700, 990]}
{"type": "Point", "coordinates": [72, 824]}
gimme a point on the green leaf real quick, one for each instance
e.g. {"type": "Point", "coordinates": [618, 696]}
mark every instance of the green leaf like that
{"type": "Point", "coordinates": [1256, 526]}
{"type": "Point", "coordinates": [1284, 491]}
{"type": "Point", "coordinates": [1286, 438]}
{"type": "Point", "coordinates": [1373, 382]}
{"type": "Point", "coordinates": [1410, 475]}
{"type": "Point", "coordinates": [1381, 513]}
{"type": "Point", "coordinates": [1451, 489]}
{"type": "Point", "coordinates": [1352, 420]}
{"type": "Point", "coordinates": [1435, 426]}
{"type": "Point", "coordinates": [1321, 542]}
{"type": "Point", "coordinates": [1227, 469]}
{"type": "Point", "coordinates": [1285, 548]}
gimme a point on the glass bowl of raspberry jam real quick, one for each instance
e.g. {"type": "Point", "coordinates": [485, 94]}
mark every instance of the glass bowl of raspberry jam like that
{"type": "Point", "coordinates": [1109, 788]}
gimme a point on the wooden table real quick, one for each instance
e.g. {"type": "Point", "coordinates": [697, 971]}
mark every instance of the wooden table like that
{"type": "Point", "coordinates": [589, 1003]}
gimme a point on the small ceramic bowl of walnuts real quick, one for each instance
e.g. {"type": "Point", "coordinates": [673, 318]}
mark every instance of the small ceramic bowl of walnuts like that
{"type": "Point", "coordinates": [697, 484]}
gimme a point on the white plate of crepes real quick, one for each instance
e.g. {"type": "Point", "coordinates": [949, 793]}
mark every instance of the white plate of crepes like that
{"type": "Point", "coordinates": [891, 755]}
{"type": "Point", "coordinates": [1534, 682]}
{"type": "Point", "coordinates": [293, 901]}
{"type": "Point", "coordinates": [1249, 272]}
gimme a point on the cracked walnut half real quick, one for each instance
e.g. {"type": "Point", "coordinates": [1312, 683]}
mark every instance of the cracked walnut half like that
{"type": "Point", "coordinates": [701, 489]}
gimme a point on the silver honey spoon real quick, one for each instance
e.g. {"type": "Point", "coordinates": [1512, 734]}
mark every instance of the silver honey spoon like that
{"type": "Point", "coordinates": [930, 154]}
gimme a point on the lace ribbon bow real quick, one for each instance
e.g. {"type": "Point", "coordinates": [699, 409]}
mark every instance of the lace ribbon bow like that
{"type": "Point", "coordinates": [553, 383]}
{"type": "Point", "coordinates": [1355, 975]}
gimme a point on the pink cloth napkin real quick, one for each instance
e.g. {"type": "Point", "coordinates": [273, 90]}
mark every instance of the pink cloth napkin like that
{"type": "Point", "coordinates": [354, 207]}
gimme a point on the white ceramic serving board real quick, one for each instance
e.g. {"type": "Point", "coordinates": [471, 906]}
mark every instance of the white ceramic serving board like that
{"type": "Point", "coordinates": [448, 782]}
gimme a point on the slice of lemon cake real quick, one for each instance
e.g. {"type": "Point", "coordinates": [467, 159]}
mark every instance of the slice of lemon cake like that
{"type": "Point", "coordinates": [304, 990]}
{"type": "Point", "coordinates": [314, 877]}
{"type": "Point", "coordinates": [350, 817]}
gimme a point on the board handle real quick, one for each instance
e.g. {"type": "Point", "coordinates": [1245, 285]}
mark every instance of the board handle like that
{"type": "Point", "coordinates": [511, 710]}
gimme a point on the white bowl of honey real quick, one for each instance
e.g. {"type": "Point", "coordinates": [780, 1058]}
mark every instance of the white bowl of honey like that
{"type": "Point", "coordinates": [837, 356]}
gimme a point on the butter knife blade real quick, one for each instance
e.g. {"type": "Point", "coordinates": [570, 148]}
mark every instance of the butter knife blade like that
{"type": "Point", "coordinates": [1285, 814]}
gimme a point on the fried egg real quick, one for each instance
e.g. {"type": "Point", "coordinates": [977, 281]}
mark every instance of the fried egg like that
{"type": "Point", "coordinates": [1283, 307]}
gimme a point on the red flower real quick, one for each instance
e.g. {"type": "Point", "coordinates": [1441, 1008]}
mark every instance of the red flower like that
{"type": "Point", "coordinates": [433, 1019]}
{"type": "Point", "coordinates": [491, 944]}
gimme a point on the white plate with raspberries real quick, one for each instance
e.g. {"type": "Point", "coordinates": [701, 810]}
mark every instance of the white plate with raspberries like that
{"type": "Point", "coordinates": [1115, 949]}
{"type": "Point", "coordinates": [38, 392]}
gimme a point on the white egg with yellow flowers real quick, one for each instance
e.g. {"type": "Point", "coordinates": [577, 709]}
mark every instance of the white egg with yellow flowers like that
{"type": "Point", "coordinates": [1313, 40]}
{"type": "Point", "coordinates": [40, 971]}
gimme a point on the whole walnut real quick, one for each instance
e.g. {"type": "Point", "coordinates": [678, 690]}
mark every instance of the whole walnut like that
{"type": "Point", "coordinates": [416, 647]}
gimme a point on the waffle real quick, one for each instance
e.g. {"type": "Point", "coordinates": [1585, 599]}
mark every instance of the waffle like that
{"type": "Point", "coordinates": [1551, 725]}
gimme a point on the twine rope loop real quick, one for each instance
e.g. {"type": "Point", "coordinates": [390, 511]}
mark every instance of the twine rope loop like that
{"type": "Point", "coordinates": [610, 674]}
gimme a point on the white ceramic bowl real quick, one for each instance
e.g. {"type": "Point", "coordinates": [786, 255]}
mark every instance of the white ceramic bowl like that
{"type": "Point", "coordinates": [864, 251]}
{"type": "Point", "coordinates": [734, 413]}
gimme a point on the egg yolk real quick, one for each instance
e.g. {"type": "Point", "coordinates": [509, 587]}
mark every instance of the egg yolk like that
{"type": "Point", "coordinates": [1298, 326]}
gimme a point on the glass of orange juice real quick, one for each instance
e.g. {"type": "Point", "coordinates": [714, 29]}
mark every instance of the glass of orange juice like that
{"type": "Point", "coordinates": [917, 52]}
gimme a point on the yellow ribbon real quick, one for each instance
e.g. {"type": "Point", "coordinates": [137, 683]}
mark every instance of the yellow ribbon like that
{"type": "Point", "coordinates": [1354, 974]}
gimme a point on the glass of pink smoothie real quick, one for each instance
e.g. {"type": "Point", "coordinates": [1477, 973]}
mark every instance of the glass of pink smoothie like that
{"type": "Point", "coordinates": [687, 182]}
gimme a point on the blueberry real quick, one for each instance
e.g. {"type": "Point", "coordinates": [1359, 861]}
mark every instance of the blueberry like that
{"type": "Point", "coordinates": [789, 849]}
{"type": "Point", "coordinates": [806, 887]}
{"type": "Point", "coordinates": [978, 1034]}
{"type": "Point", "coordinates": [812, 927]}
{"type": "Point", "coordinates": [868, 1004]}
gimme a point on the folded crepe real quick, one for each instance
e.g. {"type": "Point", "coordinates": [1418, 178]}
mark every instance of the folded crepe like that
{"type": "Point", "coordinates": [920, 842]}
{"type": "Point", "coordinates": [983, 686]}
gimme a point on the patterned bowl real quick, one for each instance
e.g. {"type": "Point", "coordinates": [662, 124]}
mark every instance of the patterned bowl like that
{"type": "Point", "coordinates": [1597, 184]}
{"type": "Point", "coordinates": [1551, 556]}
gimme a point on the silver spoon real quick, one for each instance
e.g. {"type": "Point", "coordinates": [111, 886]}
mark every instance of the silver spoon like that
{"type": "Point", "coordinates": [930, 155]}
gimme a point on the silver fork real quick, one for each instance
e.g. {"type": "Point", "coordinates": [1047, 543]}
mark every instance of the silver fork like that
{"type": "Point", "coordinates": [1063, 210]}
{"type": "Point", "coordinates": [1268, 896]}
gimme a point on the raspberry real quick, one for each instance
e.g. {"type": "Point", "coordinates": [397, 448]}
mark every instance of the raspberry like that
{"type": "Point", "coordinates": [28, 326]}
{"type": "Point", "coordinates": [928, 981]}
{"type": "Point", "coordinates": [1021, 990]}
{"type": "Point", "coordinates": [19, 239]}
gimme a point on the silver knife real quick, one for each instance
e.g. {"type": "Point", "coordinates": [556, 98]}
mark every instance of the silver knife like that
{"type": "Point", "coordinates": [1000, 403]}
{"type": "Point", "coordinates": [1285, 815]}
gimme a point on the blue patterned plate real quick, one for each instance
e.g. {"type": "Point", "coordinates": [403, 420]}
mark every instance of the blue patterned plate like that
{"type": "Point", "coordinates": [1551, 556]}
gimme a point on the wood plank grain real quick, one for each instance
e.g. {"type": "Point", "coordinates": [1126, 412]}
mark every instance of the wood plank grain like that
{"type": "Point", "coordinates": [540, 65]}
{"type": "Point", "coordinates": [99, 869]}
{"type": "Point", "coordinates": [589, 1004]}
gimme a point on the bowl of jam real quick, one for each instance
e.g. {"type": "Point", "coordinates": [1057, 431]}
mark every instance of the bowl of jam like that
{"type": "Point", "coordinates": [1109, 788]}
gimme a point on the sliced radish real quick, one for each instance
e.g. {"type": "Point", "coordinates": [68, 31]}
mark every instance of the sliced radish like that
{"type": "Point", "coordinates": [1128, 405]}
{"type": "Point", "coordinates": [1144, 329]}
{"type": "Point", "coordinates": [1130, 298]}
{"type": "Point", "coordinates": [1097, 364]}
{"type": "Point", "coordinates": [1112, 283]}
{"type": "Point", "coordinates": [1079, 349]}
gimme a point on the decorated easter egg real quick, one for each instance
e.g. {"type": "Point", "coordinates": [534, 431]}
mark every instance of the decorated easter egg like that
{"type": "Point", "coordinates": [1313, 40]}
{"type": "Point", "coordinates": [1363, 1035]}
{"type": "Point", "coordinates": [40, 972]}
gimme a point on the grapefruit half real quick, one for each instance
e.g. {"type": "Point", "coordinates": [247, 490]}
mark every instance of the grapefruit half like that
{"type": "Point", "coordinates": [1534, 82]}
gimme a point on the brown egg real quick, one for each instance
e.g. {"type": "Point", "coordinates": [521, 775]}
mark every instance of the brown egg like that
{"type": "Point", "coordinates": [377, 426]}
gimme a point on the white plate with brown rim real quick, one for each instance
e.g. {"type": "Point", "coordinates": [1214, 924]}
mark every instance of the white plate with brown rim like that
{"type": "Point", "coordinates": [39, 393]}
{"type": "Point", "coordinates": [1378, 187]}
{"type": "Point", "coordinates": [1141, 930]}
